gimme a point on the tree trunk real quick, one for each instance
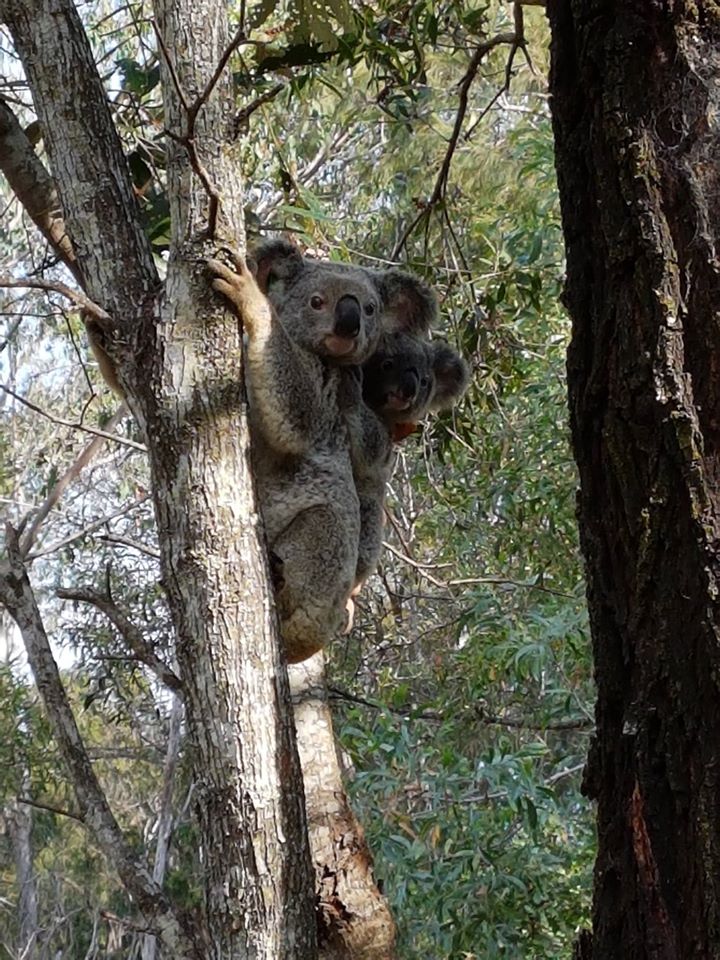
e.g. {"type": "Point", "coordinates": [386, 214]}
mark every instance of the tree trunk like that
{"type": "Point", "coordinates": [635, 90]}
{"type": "Point", "coordinates": [354, 920]}
{"type": "Point", "coordinates": [179, 362]}
{"type": "Point", "coordinates": [19, 818]}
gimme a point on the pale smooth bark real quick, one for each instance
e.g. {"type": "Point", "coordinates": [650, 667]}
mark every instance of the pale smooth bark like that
{"type": "Point", "coordinates": [19, 818]}
{"type": "Point", "coordinates": [354, 922]}
{"type": "Point", "coordinates": [258, 876]}
{"type": "Point", "coordinates": [166, 812]}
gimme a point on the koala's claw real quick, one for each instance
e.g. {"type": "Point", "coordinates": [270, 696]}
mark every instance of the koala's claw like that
{"type": "Point", "coordinates": [240, 288]}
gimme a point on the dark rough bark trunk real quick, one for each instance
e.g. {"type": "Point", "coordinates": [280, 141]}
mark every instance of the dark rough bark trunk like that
{"type": "Point", "coordinates": [635, 92]}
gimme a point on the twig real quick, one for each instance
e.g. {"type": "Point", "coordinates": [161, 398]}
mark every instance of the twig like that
{"type": "Point", "coordinates": [420, 567]}
{"type": "Point", "coordinates": [171, 67]}
{"type": "Point", "coordinates": [440, 187]}
{"type": "Point", "coordinates": [65, 480]}
{"type": "Point", "coordinates": [73, 426]}
{"type": "Point", "coordinates": [129, 632]}
{"type": "Point", "coordinates": [11, 333]}
{"type": "Point", "coordinates": [46, 806]}
{"type": "Point", "coordinates": [502, 581]}
{"type": "Point", "coordinates": [187, 139]}
{"type": "Point", "coordinates": [210, 85]}
{"type": "Point", "coordinates": [90, 307]}
{"type": "Point", "coordinates": [242, 116]}
{"type": "Point", "coordinates": [95, 525]}
{"type": "Point", "coordinates": [134, 544]}
{"type": "Point", "coordinates": [494, 720]}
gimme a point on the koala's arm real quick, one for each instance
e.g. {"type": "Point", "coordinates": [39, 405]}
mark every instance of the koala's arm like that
{"type": "Point", "coordinates": [285, 390]}
{"type": "Point", "coordinates": [372, 458]}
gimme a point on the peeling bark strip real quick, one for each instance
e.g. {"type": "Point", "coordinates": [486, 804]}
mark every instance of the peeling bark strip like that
{"type": "Point", "coordinates": [33, 186]}
{"type": "Point", "coordinates": [17, 595]}
{"type": "Point", "coordinates": [635, 93]}
{"type": "Point", "coordinates": [355, 922]}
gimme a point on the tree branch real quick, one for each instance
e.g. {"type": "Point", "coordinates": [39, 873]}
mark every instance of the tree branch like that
{"type": "Point", "coordinates": [34, 187]}
{"type": "Point", "coordinates": [129, 632]}
{"type": "Point", "coordinates": [73, 426]}
{"type": "Point", "coordinates": [34, 283]}
{"type": "Point", "coordinates": [86, 155]}
{"type": "Point", "coordinates": [46, 806]}
{"type": "Point", "coordinates": [191, 110]}
{"type": "Point", "coordinates": [78, 465]}
{"type": "Point", "coordinates": [516, 41]}
{"type": "Point", "coordinates": [17, 595]}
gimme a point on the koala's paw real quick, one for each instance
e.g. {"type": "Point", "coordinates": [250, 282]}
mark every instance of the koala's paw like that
{"type": "Point", "coordinates": [241, 289]}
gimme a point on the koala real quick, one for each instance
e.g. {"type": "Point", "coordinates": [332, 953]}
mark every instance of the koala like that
{"type": "Point", "coordinates": [308, 324]}
{"type": "Point", "coordinates": [406, 378]}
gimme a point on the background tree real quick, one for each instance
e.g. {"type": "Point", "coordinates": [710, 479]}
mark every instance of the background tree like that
{"type": "Point", "coordinates": [462, 701]}
{"type": "Point", "coordinates": [634, 96]}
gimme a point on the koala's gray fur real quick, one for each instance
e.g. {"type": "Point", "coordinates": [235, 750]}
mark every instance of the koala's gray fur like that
{"type": "Point", "coordinates": [307, 322]}
{"type": "Point", "coordinates": [406, 378]}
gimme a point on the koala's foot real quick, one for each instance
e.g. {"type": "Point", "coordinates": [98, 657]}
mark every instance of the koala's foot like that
{"type": "Point", "coordinates": [241, 289]}
{"type": "Point", "coordinates": [301, 637]}
{"type": "Point", "coordinates": [350, 609]}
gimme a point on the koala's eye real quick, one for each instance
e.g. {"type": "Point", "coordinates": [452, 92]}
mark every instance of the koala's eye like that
{"type": "Point", "coordinates": [369, 309]}
{"type": "Point", "coordinates": [424, 381]}
{"type": "Point", "coordinates": [317, 302]}
{"type": "Point", "coordinates": [386, 365]}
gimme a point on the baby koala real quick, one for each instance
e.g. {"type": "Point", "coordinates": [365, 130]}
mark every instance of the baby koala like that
{"type": "Point", "coordinates": [406, 378]}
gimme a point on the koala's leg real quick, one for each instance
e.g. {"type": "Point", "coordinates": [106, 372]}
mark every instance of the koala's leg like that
{"type": "Point", "coordinates": [372, 521]}
{"type": "Point", "coordinates": [318, 561]}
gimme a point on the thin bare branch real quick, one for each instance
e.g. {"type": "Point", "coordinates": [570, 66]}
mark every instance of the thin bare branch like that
{"type": "Point", "coordinates": [171, 68]}
{"type": "Point", "coordinates": [242, 116]}
{"type": "Point", "coordinates": [76, 296]}
{"type": "Point", "coordinates": [73, 426]}
{"type": "Point", "coordinates": [129, 632]}
{"type": "Point", "coordinates": [133, 544]}
{"type": "Point", "coordinates": [440, 187]}
{"type": "Point", "coordinates": [73, 471]}
{"type": "Point", "coordinates": [46, 806]}
{"type": "Point", "coordinates": [90, 528]}
{"type": "Point", "coordinates": [210, 85]}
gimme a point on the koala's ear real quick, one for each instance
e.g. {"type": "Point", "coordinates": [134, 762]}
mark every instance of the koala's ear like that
{"type": "Point", "coordinates": [452, 375]}
{"type": "Point", "coordinates": [409, 304]}
{"type": "Point", "coordinates": [276, 260]}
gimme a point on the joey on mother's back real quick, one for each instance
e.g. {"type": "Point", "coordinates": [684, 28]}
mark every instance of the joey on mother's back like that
{"type": "Point", "coordinates": [406, 378]}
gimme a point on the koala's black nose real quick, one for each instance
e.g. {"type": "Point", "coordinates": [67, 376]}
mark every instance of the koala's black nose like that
{"type": "Point", "coordinates": [347, 317]}
{"type": "Point", "coordinates": [408, 385]}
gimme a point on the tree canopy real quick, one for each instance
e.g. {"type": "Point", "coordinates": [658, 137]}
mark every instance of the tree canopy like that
{"type": "Point", "coordinates": [393, 132]}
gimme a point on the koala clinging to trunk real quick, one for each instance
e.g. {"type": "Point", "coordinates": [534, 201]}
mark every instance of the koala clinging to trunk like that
{"type": "Point", "coordinates": [406, 378]}
{"type": "Point", "coordinates": [304, 320]}
{"type": "Point", "coordinates": [310, 325]}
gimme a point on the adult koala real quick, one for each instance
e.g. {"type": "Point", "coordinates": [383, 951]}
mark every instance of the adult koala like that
{"type": "Point", "coordinates": [309, 324]}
